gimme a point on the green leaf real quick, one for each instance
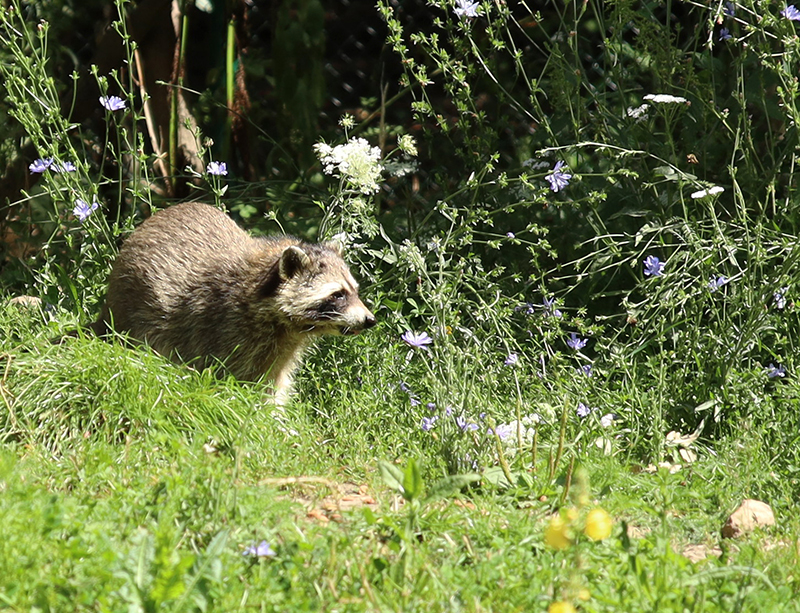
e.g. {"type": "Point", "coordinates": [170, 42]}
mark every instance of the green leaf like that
{"type": "Point", "coordinates": [392, 476]}
{"type": "Point", "coordinates": [412, 481]}
{"type": "Point", "coordinates": [448, 486]}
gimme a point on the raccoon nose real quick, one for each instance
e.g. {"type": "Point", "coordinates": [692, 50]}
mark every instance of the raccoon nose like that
{"type": "Point", "coordinates": [369, 321]}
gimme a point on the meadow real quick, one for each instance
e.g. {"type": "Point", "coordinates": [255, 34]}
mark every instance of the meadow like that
{"type": "Point", "coordinates": [577, 226]}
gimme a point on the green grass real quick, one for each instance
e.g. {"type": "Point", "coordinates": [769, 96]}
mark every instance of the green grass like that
{"type": "Point", "coordinates": [129, 483]}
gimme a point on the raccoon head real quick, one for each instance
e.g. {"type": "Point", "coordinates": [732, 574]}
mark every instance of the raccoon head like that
{"type": "Point", "coordinates": [317, 293]}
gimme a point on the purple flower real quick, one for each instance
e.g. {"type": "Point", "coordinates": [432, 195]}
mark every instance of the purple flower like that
{"type": "Point", "coordinates": [510, 235]}
{"type": "Point", "coordinates": [512, 359]}
{"type": "Point", "coordinates": [112, 103]}
{"type": "Point", "coordinates": [428, 423]}
{"type": "Point", "coordinates": [776, 371]}
{"type": "Point", "coordinates": [582, 410]}
{"type": "Point", "coordinates": [415, 402]}
{"type": "Point", "coordinates": [65, 167]}
{"type": "Point", "coordinates": [725, 34]}
{"type": "Point", "coordinates": [464, 424]}
{"type": "Point", "coordinates": [431, 406]}
{"type": "Point", "coordinates": [586, 369]}
{"type": "Point", "coordinates": [40, 165]}
{"type": "Point", "coordinates": [653, 267]}
{"type": "Point", "coordinates": [404, 387]}
{"type": "Point", "coordinates": [779, 298]}
{"type": "Point", "coordinates": [730, 9]}
{"type": "Point", "coordinates": [465, 8]}
{"type": "Point", "coordinates": [417, 340]}
{"type": "Point", "coordinates": [503, 431]}
{"type": "Point", "coordinates": [791, 13]}
{"type": "Point", "coordinates": [82, 209]}
{"type": "Point", "coordinates": [219, 169]}
{"type": "Point", "coordinates": [715, 284]}
{"type": "Point", "coordinates": [576, 343]}
{"type": "Point", "coordinates": [557, 179]}
{"type": "Point", "coordinates": [448, 411]}
{"type": "Point", "coordinates": [549, 307]}
{"type": "Point", "coordinates": [262, 550]}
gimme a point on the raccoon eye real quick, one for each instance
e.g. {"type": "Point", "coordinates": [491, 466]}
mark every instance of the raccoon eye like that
{"type": "Point", "coordinates": [340, 295]}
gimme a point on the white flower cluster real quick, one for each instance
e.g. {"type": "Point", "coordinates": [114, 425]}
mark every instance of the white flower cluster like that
{"type": "Point", "coordinates": [508, 433]}
{"type": "Point", "coordinates": [356, 162]}
{"type": "Point", "coordinates": [665, 99]}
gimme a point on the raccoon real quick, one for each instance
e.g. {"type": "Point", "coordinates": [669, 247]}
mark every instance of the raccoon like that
{"type": "Point", "coordinates": [194, 286]}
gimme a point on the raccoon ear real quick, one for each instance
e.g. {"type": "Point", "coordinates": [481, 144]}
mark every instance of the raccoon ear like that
{"type": "Point", "coordinates": [293, 260]}
{"type": "Point", "coordinates": [337, 246]}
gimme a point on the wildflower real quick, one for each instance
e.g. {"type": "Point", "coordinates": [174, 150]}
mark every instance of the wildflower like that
{"type": "Point", "coordinates": [415, 402]}
{"type": "Point", "coordinates": [448, 411]}
{"type": "Point", "coordinates": [561, 606]}
{"type": "Point", "coordinates": [465, 8]}
{"type": "Point", "coordinates": [112, 103]}
{"type": "Point", "coordinates": [262, 550]}
{"type": "Point", "coordinates": [355, 161]}
{"type": "Point", "coordinates": [82, 209]}
{"type": "Point", "coordinates": [428, 423]}
{"type": "Point", "coordinates": [503, 431]}
{"type": "Point", "coordinates": [586, 369]}
{"type": "Point", "coordinates": [639, 113]}
{"type": "Point", "coordinates": [218, 169]}
{"type": "Point", "coordinates": [779, 298]}
{"type": "Point", "coordinates": [558, 179]}
{"type": "Point", "coordinates": [464, 424]}
{"type": "Point", "coordinates": [725, 34]}
{"type": "Point", "coordinates": [431, 406]}
{"type": "Point", "coordinates": [404, 388]}
{"type": "Point", "coordinates": [65, 167]}
{"type": "Point", "coordinates": [512, 359]}
{"type": "Point", "coordinates": [653, 267]}
{"type": "Point", "coordinates": [715, 284]}
{"type": "Point", "coordinates": [407, 145]}
{"type": "Point", "coordinates": [576, 343]}
{"type": "Point", "coordinates": [582, 410]}
{"type": "Point", "coordinates": [598, 525]}
{"type": "Point", "coordinates": [730, 9]}
{"type": "Point", "coordinates": [418, 340]}
{"type": "Point", "coordinates": [665, 99]}
{"type": "Point", "coordinates": [548, 304]}
{"type": "Point", "coordinates": [791, 13]}
{"type": "Point", "coordinates": [40, 165]}
{"type": "Point", "coordinates": [776, 371]}
{"type": "Point", "coordinates": [712, 191]}
{"type": "Point", "coordinates": [607, 420]}
{"type": "Point", "coordinates": [556, 535]}
{"type": "Point", "coordinates": [510, 235]}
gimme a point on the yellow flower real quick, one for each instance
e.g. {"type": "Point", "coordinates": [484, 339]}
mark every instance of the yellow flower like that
{"type": "Point", "coordinates": [556, 534]}
{"type": "Point", "coordinates": [584, 594]}
{"type": "Point", "coordinates": [598, 525]}
{"type": "Point", "coordinates": [561, 607]}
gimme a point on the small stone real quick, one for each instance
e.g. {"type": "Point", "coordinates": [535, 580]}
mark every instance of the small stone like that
{"type": "Point", "coordinates": [750, 515]}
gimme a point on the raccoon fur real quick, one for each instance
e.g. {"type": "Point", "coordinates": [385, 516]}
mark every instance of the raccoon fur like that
{"type": "Point", "coordinates": [194, 286]}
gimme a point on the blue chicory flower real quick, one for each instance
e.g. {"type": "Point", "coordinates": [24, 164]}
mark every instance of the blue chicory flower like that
{"type": "Point", "coordinates": [586, 369]}
{"type": "Point", "coordinates": [40, 165]}
{"type": "Point", "coordinates": [262, 550]}
{"type": "Point", "coordinates": [725, 34]}
{"type": "Point", "coordinates": [791, 13]}
{"type": "Point", "coordinates": [549, 307]}
{"type": "Point", "coordinates": [428, 423]}
{"type": "Point", "coordinates": [582, 410]}
{"type": "Point", "coordinates": [418, 340]}
{"type": "Point", "coordinates": [512, 359]}
{"type": "Point", "coordinates": [730, 9]}
{"type": "Point", "coordinates": [715, 284]}
{"type": "Point", "coordinates": [465, 8]}
{"type": "Point", "coordinates": [558, 179]}
{"type": "Point", "coordinates": [112, 103]}
{"type": "Point", "coordinates": [779, 298]}
{"type": "Point", "coordinates": [82, 209]}
{"type": "Point", "coordinates": [464, 424]}
{"type": "Point", "coordinates": [576, 343]}
{"type": "Point", "coordinates": [218, 169]}
{"type": "Point", "coordinates": [653, 267]}
{"type": "Point", "coordinates": [776, 371]}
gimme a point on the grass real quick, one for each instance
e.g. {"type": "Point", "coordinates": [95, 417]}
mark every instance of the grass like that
{"type": "Point", "coordinates": [127, 482]}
